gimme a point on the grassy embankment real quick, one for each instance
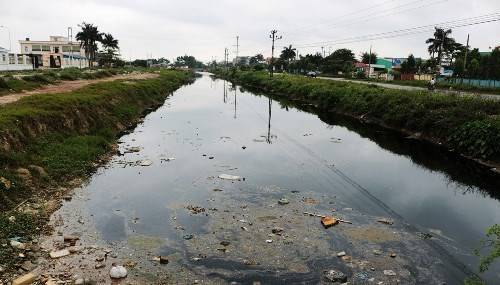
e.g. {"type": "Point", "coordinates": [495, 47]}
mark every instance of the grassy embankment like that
{"type": "Point", "coordinates": [17, 81]}
{"type": "Point", "coordinates": [48, 140]}
{"type": "Point", "coordinates": [469, 126]}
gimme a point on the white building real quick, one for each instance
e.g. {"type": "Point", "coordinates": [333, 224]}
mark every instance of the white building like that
{"type": "Point", "coordinates": [242, 60]}
{"type": "Point", "coordinates": [57, 52]}
{"type": "Point", "coordinates": [12, 61]}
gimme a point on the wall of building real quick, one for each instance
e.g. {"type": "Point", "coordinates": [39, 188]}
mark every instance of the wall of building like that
{"type": "Point", "coordinates": [14, 61]}
{"type": "Point", "coordinates": [42, 47]}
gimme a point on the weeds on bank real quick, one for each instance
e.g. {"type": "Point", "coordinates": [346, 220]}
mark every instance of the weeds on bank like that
{"type": "Point", "coordinates": [28, 80]}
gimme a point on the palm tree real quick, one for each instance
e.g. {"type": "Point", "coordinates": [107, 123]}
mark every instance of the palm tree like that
{"type": "Point", "coordinates": [109, 42]}
{"type": "Point", "coordinates": [441, 43]}
{"type": "Point", "coordinates": [110, 45]}
{"type": "Point", "coordinates": [88, 38]}
{"type": "Point", "coordinates": [288, 53]}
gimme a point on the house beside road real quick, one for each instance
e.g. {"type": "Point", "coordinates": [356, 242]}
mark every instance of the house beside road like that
{"type": "Point", "coordinates": [57, 52]}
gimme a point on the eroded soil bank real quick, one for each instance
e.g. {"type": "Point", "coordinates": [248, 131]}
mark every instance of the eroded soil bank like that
{"type": "Point", "coordinates": [169, 209]}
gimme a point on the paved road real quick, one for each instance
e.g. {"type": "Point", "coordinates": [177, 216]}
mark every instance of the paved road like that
{"type": "Point", "coordinates": [414, 88]}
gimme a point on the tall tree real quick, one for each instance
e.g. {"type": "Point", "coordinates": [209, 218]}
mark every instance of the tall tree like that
{"type": "Point", "coordinates": [88, 38]}
{"type": "Point", "coordinates": [340, 60]}
{"type": "Point", "coordinates": [365, 58]}
{"type": "Point", "coordinates": [189, 61]}
{"type": "Point", "coordinates": [410, 65]}
{"type": "Point", "coordinates": [441, 44]}
{"type": "Point", "coordinates": [256, 59]}
{"type": "Point", "coordinates": [309, 62]}
{"type": "Point", "coordinates": [288, 53]}
{"type": "Point", "coordinates": [109, 42]}
{"type": "Point", "coordinates": [109, 55]}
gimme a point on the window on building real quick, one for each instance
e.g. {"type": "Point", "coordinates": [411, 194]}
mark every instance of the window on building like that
{"type": "Point", "coordinates": [12, 59]}
{"type": "Point", "coordinates": [76, 48]}
{"type": "Point", "coordinates": [66, 48]}
{"type": "Point", "coordinates": [36, 48]}
{"type": "Point", "coordinates": [26, 49]}
{"type": "Point", "coordinates": [4, 58]}
{"type": "Point", "coordinates": [20, 59]}
{"type": "Point", "coordinates": [45, 48]}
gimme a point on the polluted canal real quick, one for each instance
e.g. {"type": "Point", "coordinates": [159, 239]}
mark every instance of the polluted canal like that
{"type": "Point", "coordinates": [221, 185]}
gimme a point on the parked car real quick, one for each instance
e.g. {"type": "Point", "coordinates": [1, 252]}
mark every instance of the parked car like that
{"type": "Point", "coordinates": [312, 74]}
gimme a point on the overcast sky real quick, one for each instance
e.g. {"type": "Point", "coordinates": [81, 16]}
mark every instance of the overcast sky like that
{"type": "Point", "coordinates": [203, 28]}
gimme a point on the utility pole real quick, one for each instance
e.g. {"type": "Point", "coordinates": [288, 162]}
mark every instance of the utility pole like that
{"type": "Point", "coordinates": [370, 62]}
{"type": "Point", "coordinates": [274, 37]}
{"type": "Point", "coordinates": [225, 57]}
{"type": "Point", "coordinates": [70, 39]}
{"type": "Point", "coordinates": [465, 56]}
{"type": "Point", "coordinates": [237, 49]}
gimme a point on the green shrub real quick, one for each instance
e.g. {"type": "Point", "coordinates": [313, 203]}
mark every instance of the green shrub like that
{"type": "Point", "coordinates": [39, 78]}
{"type": "Point", "coordinates": [477, 138]}
{"type": "Point", "coordinates": [3, 84]}
{"type": "Point", "coordinates": [70, 74]}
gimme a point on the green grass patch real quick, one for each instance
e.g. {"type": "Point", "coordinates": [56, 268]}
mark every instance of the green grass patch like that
{"type": "Point", "coordinates": [69, 157]}
{"type": "Point", "coordinates": [31, 79]}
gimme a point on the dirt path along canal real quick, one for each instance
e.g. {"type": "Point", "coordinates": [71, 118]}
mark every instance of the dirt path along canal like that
{"type": "Point", "coordinates": [220, 185]}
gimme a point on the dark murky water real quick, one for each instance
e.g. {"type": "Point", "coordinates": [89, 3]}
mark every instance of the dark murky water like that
{"type": "Point", "coordinates": [368, 169]}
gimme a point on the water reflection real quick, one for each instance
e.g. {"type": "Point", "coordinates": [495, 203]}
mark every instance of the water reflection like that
{"type": "Point", "coordinates": [269, 122]}
{"type": "Point", "coordinates": [225, 93]}
{"type": "Point", "coordinates": [235, 101]}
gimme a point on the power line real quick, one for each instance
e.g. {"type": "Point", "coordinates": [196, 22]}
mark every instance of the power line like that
{"type": "Point", "coordinates": [370, 8]}
{"type": "Point", "coordinates": [483, 17]}
{"type": "Point", "coordinates": [345, 15]}
{"type": "Point", "coordinates": [381, 13]}
{"type": "Point", "coordinates": [376, 16]}
{"type": "Point", "coordinates": [409, 31]}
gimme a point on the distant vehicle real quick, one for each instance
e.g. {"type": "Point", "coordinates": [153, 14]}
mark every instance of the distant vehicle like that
{"type": "Point", "coordinates": [312, 74]}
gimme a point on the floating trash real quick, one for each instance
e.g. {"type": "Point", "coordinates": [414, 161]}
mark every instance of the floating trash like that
{"type": "Point", "coordinates": [229, 177]}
